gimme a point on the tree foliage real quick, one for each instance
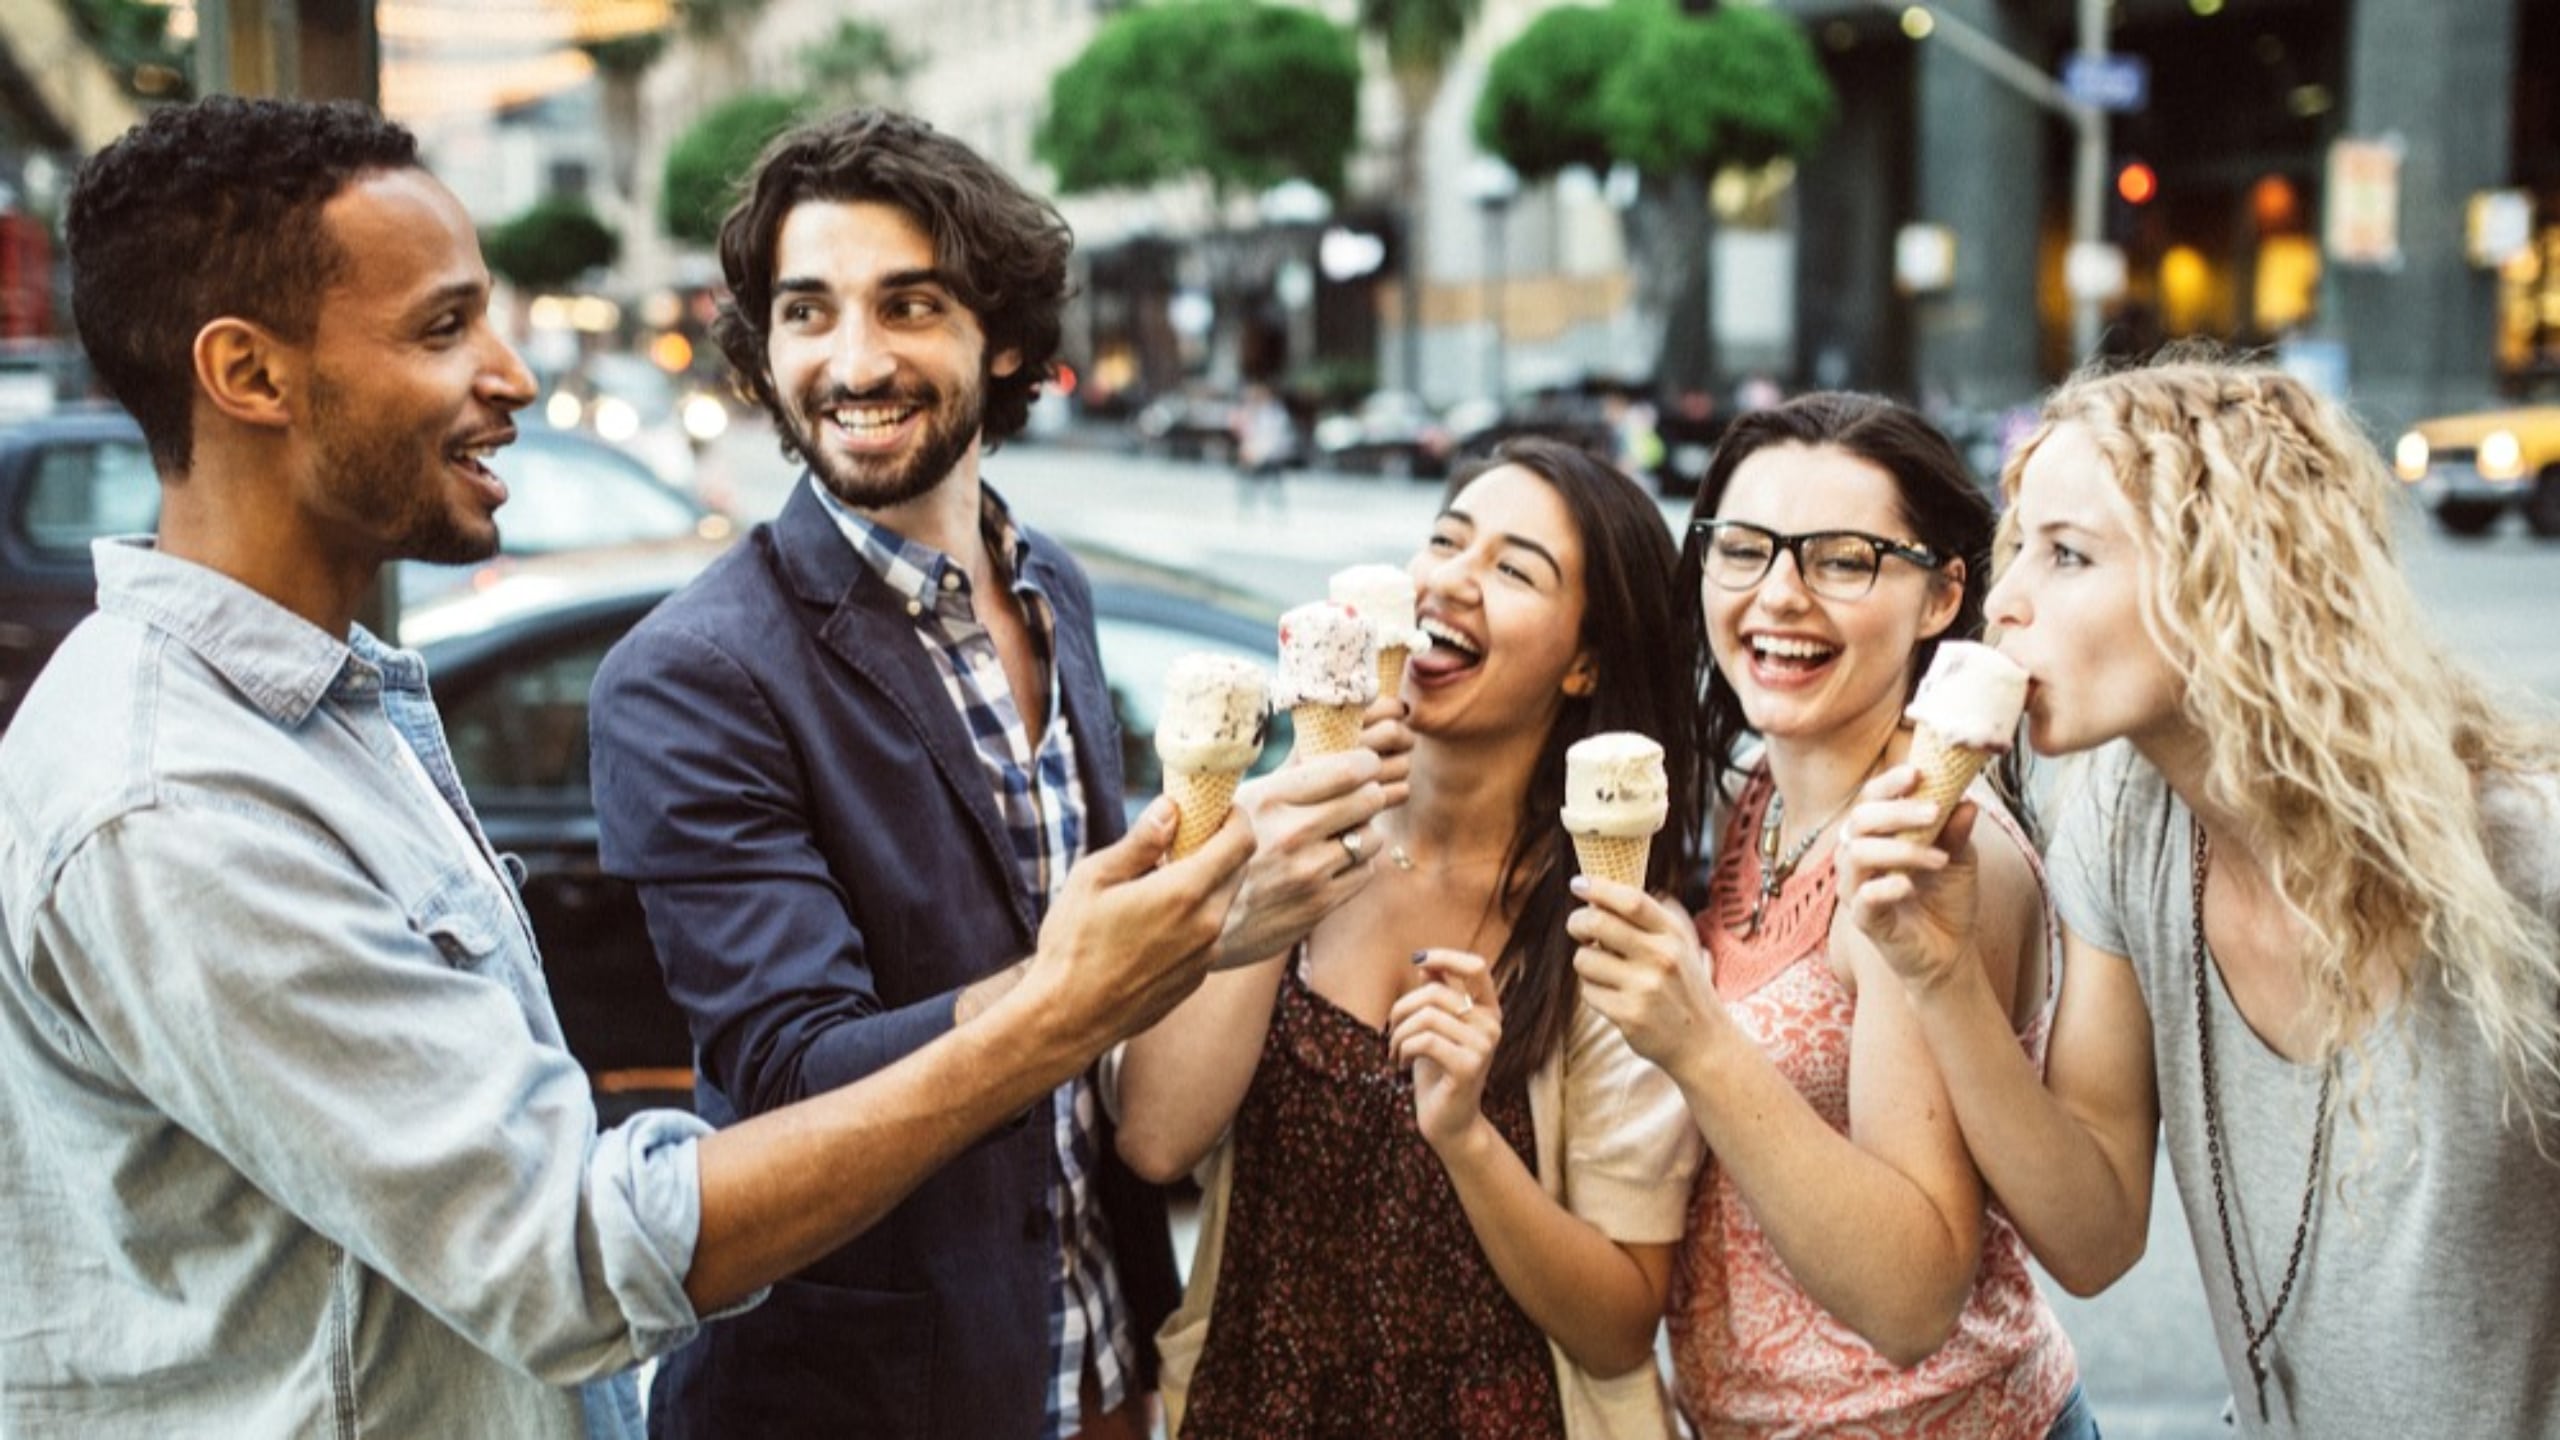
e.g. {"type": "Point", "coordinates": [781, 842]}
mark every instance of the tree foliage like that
{"type": "Point", "coordinates": [1238, 93]}
{"type": "Point", "coordinates": [1667, 92]}
{"type": "Point", "coordinates": [549, 246]}
{"type": "Point", "coordinates": [627, 56]}
{"type": "Point", "coordinates": [132, 37]}
{"type": "Point", "coordinates": [708, 162]}
{"type": "Point", "coordinates": [854, 64]}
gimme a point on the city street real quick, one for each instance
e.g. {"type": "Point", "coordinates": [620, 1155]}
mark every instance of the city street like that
{"type": "Point", "coordinates": [2146, 1353]}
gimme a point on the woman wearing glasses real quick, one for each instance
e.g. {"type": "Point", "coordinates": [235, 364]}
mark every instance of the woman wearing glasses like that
{"type": "Point", "coordinates": [2313, 910]}
{"type": "Point", "coordinates": [1842, 1272]}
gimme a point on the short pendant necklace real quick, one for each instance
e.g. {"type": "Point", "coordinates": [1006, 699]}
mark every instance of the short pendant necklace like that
{"type": "Point", "coordinates": [2257, 1335]}
{"type": "Point", "coordinates": [1775, 869]}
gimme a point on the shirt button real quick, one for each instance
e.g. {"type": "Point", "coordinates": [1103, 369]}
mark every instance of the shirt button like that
{"type": "Point", "coordinates": [915, 607]}
{"type": "Point", "coordinates": [950, 579]}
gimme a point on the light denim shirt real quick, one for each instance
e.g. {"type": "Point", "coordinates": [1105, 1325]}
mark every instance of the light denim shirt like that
{"type": "Point", "coordinates": [289, 1143]}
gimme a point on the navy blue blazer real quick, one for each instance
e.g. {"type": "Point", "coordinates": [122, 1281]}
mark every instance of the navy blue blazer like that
{"type": "Point", "coordinates": [780, 770]}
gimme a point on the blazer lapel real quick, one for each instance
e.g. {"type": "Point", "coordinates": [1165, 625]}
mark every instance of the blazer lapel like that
{"type": "Point", "coordinates": [1086, 693]}
{"type": "Point", "coordinates": [867, 627]}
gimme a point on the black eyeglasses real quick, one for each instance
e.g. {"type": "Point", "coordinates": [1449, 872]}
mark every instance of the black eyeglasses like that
{"type": "Point", "coordinates": [1834, 564]}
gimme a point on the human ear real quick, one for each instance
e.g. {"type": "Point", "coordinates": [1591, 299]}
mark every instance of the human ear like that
{"type": "Point", "coordinates": [1946, 600]}
{"type": "Point", "coordinates": [247, 372]}
{"type": "Point", "coordinates": [1583, 678]}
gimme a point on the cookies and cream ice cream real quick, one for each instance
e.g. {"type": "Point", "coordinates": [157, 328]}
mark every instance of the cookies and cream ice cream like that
{"type": "Point", "coordinates": [1615, 797]}
{"type": "Point", "coordinates": [1384, 596]}
{"type": "Point", "coordinates": [1217, 709]}
{"type": "Point", "coordinates": [1328, 674]}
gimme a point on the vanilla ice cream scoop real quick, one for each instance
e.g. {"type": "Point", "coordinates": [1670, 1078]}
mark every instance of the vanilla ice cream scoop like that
{"type": "Point", "coordinates": [1328, 656]}
{"type": "Point", "coordinates": [1383, 595]}
{"type": "Point", "coordinates": [1971, 696]}
{"type": "Point", "coordinates": [1217, 709]}
{"type": "Point", "coordinates": [1614, 786]}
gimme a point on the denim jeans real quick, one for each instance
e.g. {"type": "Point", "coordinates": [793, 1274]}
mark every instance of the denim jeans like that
{"type": "Point", "coordinates": [2077, 1421]}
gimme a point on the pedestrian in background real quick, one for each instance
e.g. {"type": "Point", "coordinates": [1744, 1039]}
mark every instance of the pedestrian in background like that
{"type": "Point", "coordinates": [1266, 442]}
{"type": "Point", "coordinates": [859, 768]}
{"type": "Point", "coordinates": [289, 1139]}
{"type": "Point", "coordinates": [2309, 871]}
{"type": "Point", "coordinates": [1442, 1192]}
{"type": "Point", "coordinates": [1842, 1273]}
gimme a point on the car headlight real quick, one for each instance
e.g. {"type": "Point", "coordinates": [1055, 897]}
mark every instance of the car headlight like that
{"type": "Point", "coordinates": [2501, 458]}
{"type": "Point", "coordinates": [2409, 457]}
{"type": "Point", "coordinates": [616, 419]}
{"type": "Point", "coordinates": [705, 418]}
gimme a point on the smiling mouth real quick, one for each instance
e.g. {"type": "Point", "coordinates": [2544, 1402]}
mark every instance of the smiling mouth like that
{"type": "Point", "coordinates": [1787, 655]}
{"type": "Point", "coordinates": [872, 422]}
{"type": "Point", "coordinates": [1450, 652]}
{"type": "Point", "coordinates": [473, 459]}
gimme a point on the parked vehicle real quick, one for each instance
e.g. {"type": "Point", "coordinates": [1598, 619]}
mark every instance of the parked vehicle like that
{"type": "Point", "coordinates": [74, 475]}
{"type": "Point", "coordinates": [2471, 469]}
{"type": "Point", "coordinates": [512, 666]}
{"type": "Point", "coordinates": [1393, 432]}
{"type": "Point", "coordinates": [1193, 424]}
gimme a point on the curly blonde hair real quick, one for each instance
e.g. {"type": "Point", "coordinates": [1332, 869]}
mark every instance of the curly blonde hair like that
{"type": "Point", "coordinates": [2337, 727]}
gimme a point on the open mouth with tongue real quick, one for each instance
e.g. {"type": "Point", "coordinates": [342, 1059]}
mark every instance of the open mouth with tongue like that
{"type": "Point", "coordinates": [1453, 652]}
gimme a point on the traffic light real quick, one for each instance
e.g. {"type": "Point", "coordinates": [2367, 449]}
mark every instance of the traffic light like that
{"type": "Point", "coordinates": [2137, 183]}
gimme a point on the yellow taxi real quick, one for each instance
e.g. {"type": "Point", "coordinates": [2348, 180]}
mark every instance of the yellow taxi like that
{"type": "Point", "coordinates": [2470, 469]}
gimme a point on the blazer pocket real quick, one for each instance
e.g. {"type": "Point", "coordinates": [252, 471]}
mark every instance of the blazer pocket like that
{"type": "Point", "coordinates": [462, 917]}
{"type": "Point", "coordinates": [818, 1362]}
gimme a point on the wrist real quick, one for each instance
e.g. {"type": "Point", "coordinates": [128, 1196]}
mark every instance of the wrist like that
{"type": "Point", "coordinates": [1468, 1149]}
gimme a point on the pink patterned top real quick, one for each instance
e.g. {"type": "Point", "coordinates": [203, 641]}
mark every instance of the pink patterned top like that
{"type": "Point", "coordinates": [1753, 1354]}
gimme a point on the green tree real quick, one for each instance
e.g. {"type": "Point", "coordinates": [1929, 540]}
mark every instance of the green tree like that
{"type": "Point", "coordinates": [1677, 96]}
{"type": "Point", "coordinates": [854, 64]}
{"type": "Point", "coordinates": [707, 162]}
{"type": "Point", "coordinates": [1236, 93]}
{"type": "Point", "coordinates": [132, 37]}
{"type": "Point", "coordinates": [1421, 37]}
{"type": "Point", "coordinates": [549, 246]}
{"type": "Point", "coordinates": [620, 63]}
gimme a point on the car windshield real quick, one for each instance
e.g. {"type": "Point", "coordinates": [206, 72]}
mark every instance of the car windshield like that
{"type": "Point", "coordinates": [565, 496]}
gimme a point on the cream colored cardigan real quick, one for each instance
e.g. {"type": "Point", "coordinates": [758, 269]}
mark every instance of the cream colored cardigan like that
{"type": "Point", "coordinates": [1615, 1146]}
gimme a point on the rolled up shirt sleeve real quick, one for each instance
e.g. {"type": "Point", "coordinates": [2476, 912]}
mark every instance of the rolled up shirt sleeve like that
{"type": "Point", "coordinates": [396, 1086]}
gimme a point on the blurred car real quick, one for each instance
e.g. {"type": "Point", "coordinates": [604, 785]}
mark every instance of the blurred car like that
{"type": "Point", "coordinates": [1191, 424]}
{"type": "Point", "coordinates": [2471, 469]}
{"type": "Point", "coordinates": [628, 402]}
{"type": "Point", "coordinates": [1576, 419]}
{"type": "Point", "coordinates": [512, 666]}
{"type": "Point", "coordinates": [1393, 432]}
{"type": "Point", "coordinates": [74, 475]}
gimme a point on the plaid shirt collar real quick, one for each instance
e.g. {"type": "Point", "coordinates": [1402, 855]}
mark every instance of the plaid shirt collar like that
{"type": "Point", "coordinates": [925, 578]}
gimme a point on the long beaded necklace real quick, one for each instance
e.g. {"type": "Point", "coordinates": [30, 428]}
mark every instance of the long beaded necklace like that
{"type": "Point", "coordinates": [2256, 1334]}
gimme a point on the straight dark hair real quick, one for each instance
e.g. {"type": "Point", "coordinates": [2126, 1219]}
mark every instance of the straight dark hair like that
{"type": "Point", "coordinates": [1001, 249]}
{"type": "Point", "coordinates": [1937, 496]}
{"type": "Point", "coordinates": [1631, 604]}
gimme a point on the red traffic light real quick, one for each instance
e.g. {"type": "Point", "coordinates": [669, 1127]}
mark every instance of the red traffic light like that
{"type": "Point", "coordinates": [2137, 183]}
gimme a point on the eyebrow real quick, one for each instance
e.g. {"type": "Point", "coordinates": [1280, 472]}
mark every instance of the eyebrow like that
{"type": "Point", "coordinates": [894, 280]}
{"type": "Point", "coordinates": [450, 293]}
{"type": "Point", "coordinates": [1520, 541]}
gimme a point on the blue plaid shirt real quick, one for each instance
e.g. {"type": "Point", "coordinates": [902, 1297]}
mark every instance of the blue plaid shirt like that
{"type": "Point", "coordinates": [1044, 813]}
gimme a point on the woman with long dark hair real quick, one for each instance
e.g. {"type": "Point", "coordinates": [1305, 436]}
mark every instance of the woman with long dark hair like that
{"type": "Point", "coordinates": [1842, 1272]}
{"type": "Point", "coordinates": [1442, 1193]}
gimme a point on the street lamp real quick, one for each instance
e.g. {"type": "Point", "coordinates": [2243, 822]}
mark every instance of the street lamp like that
{"type": "Point", "coordinates": [1493, 186]}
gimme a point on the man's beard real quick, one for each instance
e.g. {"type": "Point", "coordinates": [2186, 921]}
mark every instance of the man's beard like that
{"type": "Point", "coordinates": [865, 483]}
{"type": "Point", "coordinates": [375, 474]}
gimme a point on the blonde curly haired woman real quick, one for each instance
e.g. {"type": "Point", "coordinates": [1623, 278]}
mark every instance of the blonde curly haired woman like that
{"type": "Point", "coordinates": [2310, 878]}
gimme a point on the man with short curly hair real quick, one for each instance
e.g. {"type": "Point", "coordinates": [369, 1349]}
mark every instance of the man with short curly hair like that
{"type": "Point", "coordinates": [289, 1139]}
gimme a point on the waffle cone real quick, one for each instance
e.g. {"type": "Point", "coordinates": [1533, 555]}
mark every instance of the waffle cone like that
{"type": "Point", "coordinates": [1204, 797]}
{"type": "Point", "coordinates": [1391, 672]}
{"type": "Point", "coordinates": [1326, 729]}
{"type": "Point", "coordinates": [1613, 857]}
{"type": "Point", "coordinates": [1946, 771]}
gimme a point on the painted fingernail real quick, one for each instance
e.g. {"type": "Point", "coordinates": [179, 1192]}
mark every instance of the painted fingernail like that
{"type": "Point", "coordinates": [1421, 955]}
{"type": "Point", "coordinates": [1579, 885]}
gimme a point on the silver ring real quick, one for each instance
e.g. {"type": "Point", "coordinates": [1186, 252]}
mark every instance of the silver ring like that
{"type": "Point", "coordinates": [1351, 841]}
{"type": "Point", "coordinates": [1466, 1002]}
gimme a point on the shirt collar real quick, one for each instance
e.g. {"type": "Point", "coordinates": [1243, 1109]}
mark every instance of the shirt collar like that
{"type": "Point", "coordinates": [923, 577]}
{"type": "Point", "coordinates": [283, 663]}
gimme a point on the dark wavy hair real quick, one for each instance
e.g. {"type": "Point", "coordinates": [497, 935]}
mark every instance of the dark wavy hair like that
{"type": "Point", "coordinates": [207, 210]}
{"type": "Point", "coordinates": [1936, 493]}
{"type": "Point", "coordinates": [1630, 604]}
{"type": "Point", "coordinates": [1001, 249]}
